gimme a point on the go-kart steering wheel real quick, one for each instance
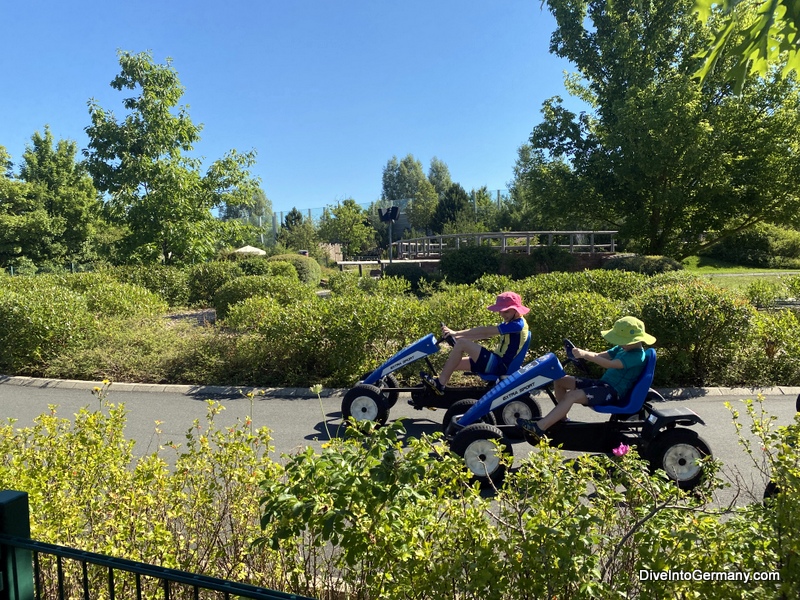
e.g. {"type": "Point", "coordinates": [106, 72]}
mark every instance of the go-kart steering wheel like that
{"type": "Point", "coordinates": [451, 341]}
{"type": "Point", "coordinates": [578, 362]}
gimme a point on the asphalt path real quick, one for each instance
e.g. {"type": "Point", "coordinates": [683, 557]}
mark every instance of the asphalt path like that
{"type": "Point", "coordinates": [299, 419]}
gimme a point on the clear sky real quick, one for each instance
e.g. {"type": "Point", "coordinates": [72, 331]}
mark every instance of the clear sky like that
{"type": "Point", "coordinates": [325, 91]}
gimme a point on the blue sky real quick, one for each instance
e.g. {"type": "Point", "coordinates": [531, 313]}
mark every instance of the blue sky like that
{"type": "Point", "coordinates": [326, 92]}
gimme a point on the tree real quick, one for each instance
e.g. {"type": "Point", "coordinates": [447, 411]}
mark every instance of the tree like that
{"type": "Point", "coordinates": [439, 176]}
{"type": "Point", "coordinates": [675, 166]}
{"type": "Point", "coordinates": [293, 218]}
{"type": "Point", "coordinates": [454, 202]}
{"type": "Point", "coordinates": [750, 35]}
{"type": "Point", "coordinates": [66, 192]}
{"type": "Point", "coordinates": [347, 224]}
{"type": "Point", "coordinates": [153, 187]}
{"type": "Point", "coordinates": [406, 186]}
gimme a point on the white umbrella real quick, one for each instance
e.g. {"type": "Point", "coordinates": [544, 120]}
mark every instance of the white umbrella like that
{"type": "Point", "coordinates": [250, 250]}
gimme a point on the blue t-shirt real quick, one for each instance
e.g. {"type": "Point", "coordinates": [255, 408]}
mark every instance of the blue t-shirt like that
{"type": "Point", "coordinates": [512, 337]}
{"type": "Point", "coordinates": [623, 379]}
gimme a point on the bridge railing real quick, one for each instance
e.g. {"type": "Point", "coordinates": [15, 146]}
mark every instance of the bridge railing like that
{"type": "Point", "coordinates": [507, 241]}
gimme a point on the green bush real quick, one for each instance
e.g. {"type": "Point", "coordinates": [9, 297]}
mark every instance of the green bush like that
{"type": "Point", "coordinates": [578, 316]}
{"type": "Point", "coordinates": [38, 323]}
{"type": "Point", "coordinates": [256, 265]}
{"type": "Point", "coordinates": [792, 284]}
{"type": "Point", "coordinates": [610, 284]}
{"type": "Point", "coordinates": [412, 273]}
{"type": "Point", "coordinates": [763, 293]}
{"type": "Point", "coordinates": [170, 283]}
{"type": "Point", "coordinates": [647, 265]}
{"type": "Point", "coordinates": [206, 278]}
{"type": "Point", "coordinates": [307, 268]}
{"type": "Point", "coordinates": [764, 245]}
{"type": "Point", "coordinates": [280, 268]}
{"type": "Point", "coordinates": [108, 297]}
{"type": "Point", "coordinates": [542, 259]}
{"type": "Point", "coordinates": [283, 289]}
{"type": "Point", "coordinates": [698, 326]}
{"type": "Point", "coordinates": [343, 282]}
{"type": "Point", "coordinates": [770, 355]}
{"type": "Point", "coordinates": [466, 265]}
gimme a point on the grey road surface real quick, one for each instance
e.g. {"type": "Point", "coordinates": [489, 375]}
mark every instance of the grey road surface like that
{"type": "Point", "coordinates": [298, 419]}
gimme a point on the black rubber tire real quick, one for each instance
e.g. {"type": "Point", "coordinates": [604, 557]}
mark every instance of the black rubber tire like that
{"type": "Point", "coordinates": [365, 402]}
{"type": "Point", "coordinates": [390, 381]}
{"type": "Point", "coordinates": [676, 451]}
{"type": "Point", "coordinates": [459, 408]}
{"type": "Point", "coordinates": [476, 445]}
{"type": "Point", "coordinates": [521, 407]}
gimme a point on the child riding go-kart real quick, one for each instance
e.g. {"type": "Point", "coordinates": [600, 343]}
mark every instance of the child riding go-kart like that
{"type": "Point", "coordinates": [661, 436]}
{"type": "Point", "coordinates": [372, 398]}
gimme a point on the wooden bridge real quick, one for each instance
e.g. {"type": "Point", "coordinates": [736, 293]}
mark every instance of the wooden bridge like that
{"type": "Point", "coordinates": [433, 246]}
{"type": "Point", "coordinates": [429, 249]}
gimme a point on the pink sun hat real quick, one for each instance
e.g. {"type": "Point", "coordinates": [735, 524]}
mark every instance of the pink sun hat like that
{"type": "Point", "coordinates": [508, 300]}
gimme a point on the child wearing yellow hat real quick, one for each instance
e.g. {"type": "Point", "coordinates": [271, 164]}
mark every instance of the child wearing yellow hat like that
{"type": "Point", "coordinates": [624, 364]}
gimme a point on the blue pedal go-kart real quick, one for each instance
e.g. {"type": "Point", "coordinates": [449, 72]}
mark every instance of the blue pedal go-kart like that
{"type": "Point", "coordinates": [372, 398]}
{"type": "Point", "coordinates": [661, 436]}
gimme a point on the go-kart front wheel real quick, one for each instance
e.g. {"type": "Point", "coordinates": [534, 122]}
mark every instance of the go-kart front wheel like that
{"type": "Point", "coordinates": [365, 402]}
{"type": "Point", "coordinates": [459, 408]}
{"type": "Point", "coordinates": [483, 449]}
{"type": "Point", "coordinates": [678, 452]}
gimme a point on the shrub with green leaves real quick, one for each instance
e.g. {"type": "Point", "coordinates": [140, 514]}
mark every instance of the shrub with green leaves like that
{"type": "Point", "coordinates": [770, 355]}
{"type": "Point", "coordinates": [764, 293]}
{"type": "Point", "coordinates": [106, 296]}
{"type": "Point", "coordinates": [87, 489]}
{"type": "Point", "coordinates": [647, 265]}
{"type": "Point", "coordinates": [466, 265]}
{"type": "Point", "coordinates": [279, 268]}
{"type": "Point", "coordinates": [542, 259]}
{"type": "Point", "coordinates": [698, 326]}
{"type": "Point", "coordinates": [307, 268]}
{"type": "Point", "coordinates": [170, 283]}
{"type": "Point", "coordinates": [39, 323]}
{"type": "Point", "coordinates": [764, 245]}
{"type": "Point", "coordinates": [412, 273]}
{"type": "Point", "coordinates": [610, 284]}
{"type": "Point", "coordinates": [285, 290]}
{"type": "Point", "coordinates": [206, 278]}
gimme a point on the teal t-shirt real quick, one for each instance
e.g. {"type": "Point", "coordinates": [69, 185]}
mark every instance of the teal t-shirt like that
{"type": "Point", "coordinates": [623, 379]}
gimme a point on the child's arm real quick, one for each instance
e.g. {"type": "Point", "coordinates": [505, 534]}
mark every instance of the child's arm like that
{"type": "Point", "coordinates": [599, 358]}
{"type": "Point", "coordinates": [475, 333]}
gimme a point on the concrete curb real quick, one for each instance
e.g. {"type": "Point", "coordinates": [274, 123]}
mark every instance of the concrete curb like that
{"type": "Point", "coordinates": [241, 391]}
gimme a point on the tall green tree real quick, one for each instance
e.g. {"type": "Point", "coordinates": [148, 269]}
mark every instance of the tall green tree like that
{"type": "Point", "coordinates": [347, 224]}
{"type": "Point", "coordinates": [675, 166]}
{"type": "Point", "coordinates": [65, 190]}
{"type": "Point", "coordinates": [154, 188]}
{"type": "Point", "coordinates": [439, 176]}
{"type": "Point", "coordinates": [453, 205]}
{"type": "Point", "coordinates": [406, 186]}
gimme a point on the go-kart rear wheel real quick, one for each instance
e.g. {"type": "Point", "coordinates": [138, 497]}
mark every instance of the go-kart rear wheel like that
{"type": "Point", "coordinates": [521, 407]}
{"type": "Point", "coordinates": [365, 402]}
{"type": "Point", "coordinates": [677, 452]}
{"type": "Point", "coordinates": [459, 408]}
{"type": "Point", "coordinates": [483, 448]}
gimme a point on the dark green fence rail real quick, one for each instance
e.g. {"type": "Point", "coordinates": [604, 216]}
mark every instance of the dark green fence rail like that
{"type": "Point", "coordinates": [34, 570]}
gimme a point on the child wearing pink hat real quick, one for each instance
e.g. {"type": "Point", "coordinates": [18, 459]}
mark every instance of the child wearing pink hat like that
{"type": "Point", "coordinates": [468, 355]}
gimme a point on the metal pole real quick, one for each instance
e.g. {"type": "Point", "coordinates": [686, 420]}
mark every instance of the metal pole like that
{"type": "Point", "coordinates": [390, 241]}
{"type": "Point", "coordinates": [16, 564]}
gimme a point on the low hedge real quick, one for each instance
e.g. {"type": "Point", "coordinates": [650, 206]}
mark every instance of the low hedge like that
{"type": "Point", "coordinates": [308, 269]}
{"type": "Point", "coordinates": [647, 265]}
{"type": "Point", "coordinates": [170, 283]}
{"type": "Point", "coordinates": [285, 290]}
{"type": "Point", "coordinates": [206, 278]}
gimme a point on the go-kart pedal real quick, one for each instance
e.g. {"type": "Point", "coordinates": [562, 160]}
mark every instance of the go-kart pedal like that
{"type": "Point", "coordinates": [432, 383]}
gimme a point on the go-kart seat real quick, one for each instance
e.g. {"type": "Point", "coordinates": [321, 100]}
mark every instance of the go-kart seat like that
{"type": "Point", "coordinates": [515, 364]}
{"type": "Point", "coordinates": [638, 393]}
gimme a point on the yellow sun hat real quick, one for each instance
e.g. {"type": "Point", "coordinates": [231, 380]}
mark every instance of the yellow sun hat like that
{"type": "Point", "coordinates": [628, 330]}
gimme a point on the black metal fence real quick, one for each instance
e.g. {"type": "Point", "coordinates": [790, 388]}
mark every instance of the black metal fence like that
{"type": "Point", "coordinates": [32, 570]}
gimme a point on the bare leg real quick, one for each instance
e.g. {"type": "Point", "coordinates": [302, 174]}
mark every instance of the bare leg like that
{"type": "Point", "coordinates": [562, 386]}
{"type": "Point", "coordinates": [562, 408]}
{"type": "Point", "coordinates": [456, 360]}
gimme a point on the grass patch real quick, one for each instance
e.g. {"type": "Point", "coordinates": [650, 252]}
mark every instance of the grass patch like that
{"type": "Point", "coordinates": [729, 276]}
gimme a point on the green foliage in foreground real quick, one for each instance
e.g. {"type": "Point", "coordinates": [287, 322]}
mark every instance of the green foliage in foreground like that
{"type": "Point", "coordinates": [370, 518]}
